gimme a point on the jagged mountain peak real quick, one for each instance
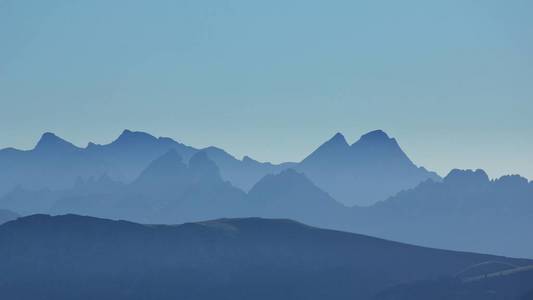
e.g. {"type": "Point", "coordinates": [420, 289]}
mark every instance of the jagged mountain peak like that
{"type": "Point", "coordinates": [51, 142]}
{"type": "Point", "coordinates": [376, 138]}
{"type": "Point", "coordinates": [332, 149]}
{"type": "Point", "coordinates": [457, 176]}
{"type": "Point", "coordinates": [375, 135]}
{"type": "Point", "coordinates": [378, 146]}
{"type": "Point", "coordinates": [134, 137]}
{"type": "Point", "coordinates": [338, 139]}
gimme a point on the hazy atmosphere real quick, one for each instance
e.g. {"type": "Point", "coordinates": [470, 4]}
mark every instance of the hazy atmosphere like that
{"type": "Point", "coordinates": [452, 80]}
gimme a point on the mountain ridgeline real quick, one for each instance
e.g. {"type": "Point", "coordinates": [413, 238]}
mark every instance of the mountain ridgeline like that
{"type": "Point", "coordinates": [251, 258]}
{"type": "Point", "coordinates": [370, 170]}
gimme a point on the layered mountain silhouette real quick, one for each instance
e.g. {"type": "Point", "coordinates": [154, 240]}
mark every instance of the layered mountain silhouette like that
{"type": "Point", "coordinates": [183, 184]}
{"type": "Point", "coordinates": [370, 170]}
{"type": "Point", "coordinates": [70, 256]}
{"type": "Point", "coordinates": [492, 216]}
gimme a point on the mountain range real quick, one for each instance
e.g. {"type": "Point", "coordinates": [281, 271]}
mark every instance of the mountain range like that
{"type": "Point", "coordinates": [493, 216]}
{"type": "Point", "coordinates": [69, 256]}
{"type": "Point", "coordinates": [370, 170]}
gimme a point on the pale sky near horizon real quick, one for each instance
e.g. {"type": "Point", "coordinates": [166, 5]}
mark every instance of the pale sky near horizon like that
{"type": "Point", "coordinates": [451, 80]}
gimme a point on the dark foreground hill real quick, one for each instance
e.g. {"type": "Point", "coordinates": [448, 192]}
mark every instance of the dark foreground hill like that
{"type": "Point", "coordinates": [74, 257]}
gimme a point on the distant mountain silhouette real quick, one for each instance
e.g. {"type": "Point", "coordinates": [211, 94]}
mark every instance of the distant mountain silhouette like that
{"type": "Point", "coordinates": [70, 256]}
{"type": "Point", "coordinates": [466, 211]}
{"type": "Point", "coordinates": [6, 215]}
{"type": "Point", "coordinates": [370, 170]}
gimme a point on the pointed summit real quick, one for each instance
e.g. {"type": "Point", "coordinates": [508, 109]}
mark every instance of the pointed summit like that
{"type": "Point", "coordinates": [377, 148]}
{"type": "Point", "coordinates": [51, 142]}
{"type": "Point", "coordinates": [338, 139]}
{"type": "Point", "coordinates": [333, 149]}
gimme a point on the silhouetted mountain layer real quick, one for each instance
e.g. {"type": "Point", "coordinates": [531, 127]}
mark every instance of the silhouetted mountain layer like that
{"type": "Point", "coordinates": [6, 215]}
{"type": "Point", "coordinates": [465, 211]}
{"type": "Point", "coordinates": [370, 170]}
{"type": "Point", "coordinates": [74, 257]}
{"type": "Point", "coordinates": [491, 216]}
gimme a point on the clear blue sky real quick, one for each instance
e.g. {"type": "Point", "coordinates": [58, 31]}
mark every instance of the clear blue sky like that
{"type": "Point", "coordinates": [451, 80]}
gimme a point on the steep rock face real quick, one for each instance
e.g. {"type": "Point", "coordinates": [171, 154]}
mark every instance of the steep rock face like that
{"type": "Point", "coordinates": [370, 170]}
